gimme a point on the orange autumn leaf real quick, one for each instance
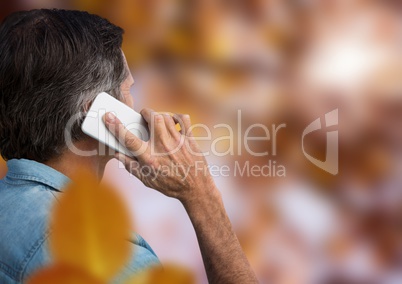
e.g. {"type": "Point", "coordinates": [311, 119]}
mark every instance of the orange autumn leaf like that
{"type": "Point", "coordinates": [91, 227]}
{"type": "Point", "coordinates": [62, 274]}
{"type": "Point", "coordinates": [168, 274]}
{"type": "Point", "coordinates": [3, 168]}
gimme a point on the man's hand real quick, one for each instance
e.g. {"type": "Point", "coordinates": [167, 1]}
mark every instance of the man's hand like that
{"type": "Point", "coordinates": [172, 163]}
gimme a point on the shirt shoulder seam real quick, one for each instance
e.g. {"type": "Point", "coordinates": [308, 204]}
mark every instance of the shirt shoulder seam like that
{"type": "Point", "coordinates": [35, 179]}
{"type": "Point", "coordinates": [8, 271]}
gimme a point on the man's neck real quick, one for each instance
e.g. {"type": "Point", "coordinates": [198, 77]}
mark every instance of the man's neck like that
{"type": "Point", "coordinates": [69, 162]}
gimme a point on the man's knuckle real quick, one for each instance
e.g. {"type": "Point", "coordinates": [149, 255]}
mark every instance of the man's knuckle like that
{"type": "Point", "coordinates": [130, 141]}
{"type": "Point", "coordinates": [159, 118]}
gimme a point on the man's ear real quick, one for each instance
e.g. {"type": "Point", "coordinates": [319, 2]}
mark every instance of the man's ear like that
{"type": "Point", "coordinates": [87, 106]}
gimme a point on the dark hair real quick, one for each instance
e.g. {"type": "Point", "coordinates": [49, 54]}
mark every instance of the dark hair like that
{"type": "Point", "coordinates": [52, 64]}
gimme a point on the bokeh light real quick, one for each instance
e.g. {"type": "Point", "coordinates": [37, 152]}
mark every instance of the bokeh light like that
{"type": "Point", "coordinates": [278, 62]}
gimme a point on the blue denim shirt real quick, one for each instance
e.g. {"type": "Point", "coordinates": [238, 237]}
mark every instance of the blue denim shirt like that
{"type": "Point", "coordinates": [26, 195]}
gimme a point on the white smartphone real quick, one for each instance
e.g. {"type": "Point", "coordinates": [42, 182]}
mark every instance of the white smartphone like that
{"type": "Point", "coordinates": [94, 126]}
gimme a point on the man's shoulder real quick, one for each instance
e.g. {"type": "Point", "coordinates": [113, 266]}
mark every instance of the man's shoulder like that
{"type": "Point", "coordinates": [24, 211]}
{"type": "Point", "coordinates": [142, 257]}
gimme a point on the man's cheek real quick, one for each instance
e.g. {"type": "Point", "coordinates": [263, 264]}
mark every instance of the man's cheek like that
{"type": "Point", "coordinates": [128, 100]}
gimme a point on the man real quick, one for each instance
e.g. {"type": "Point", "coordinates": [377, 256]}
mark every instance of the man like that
{"type": "Point", "coordinates": [52, 65]}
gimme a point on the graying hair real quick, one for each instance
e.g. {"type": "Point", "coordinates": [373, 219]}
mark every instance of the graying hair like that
{"type": "Point", "coordinates": [53, 63]}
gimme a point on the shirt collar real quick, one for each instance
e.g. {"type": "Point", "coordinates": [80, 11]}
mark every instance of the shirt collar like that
{"type": "Point", "coordinates": [24, 169]}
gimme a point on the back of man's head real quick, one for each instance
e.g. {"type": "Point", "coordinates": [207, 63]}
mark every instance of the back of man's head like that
{"type": "Point", "coordinates": [52, 64]}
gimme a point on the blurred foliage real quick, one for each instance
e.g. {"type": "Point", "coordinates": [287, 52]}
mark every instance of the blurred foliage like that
{"type": "Point", "coordinates": [281, 62]}
{"type": "Point", "coordinates": [191, 31]}
{"type": "Point", "coordinates": [168, 274]}
{"type": "Point", "coordinates": [63, 274]}
{"type": "Point", "coordinates": [3, 168]}
{"type": "Point", "coordinates": [89, 240]}
{"type": "Point", "coordinates": [91, 227]}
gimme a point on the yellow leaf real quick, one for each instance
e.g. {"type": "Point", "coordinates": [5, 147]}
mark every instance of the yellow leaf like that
{"type": "Point", "coordinates": [91, 227]}
{"type": "Point", "coordinates": [3, 168]}
{"type": "Point", "coordinates": [62, 274]}
{"type": "Point", "coordinates": [169, 274]}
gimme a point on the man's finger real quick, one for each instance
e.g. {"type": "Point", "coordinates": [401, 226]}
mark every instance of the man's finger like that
{"type": "Point", "coordinates": [170, 125]}
{"type": "Point", "coordinates": [125, 137]}
{"type": "Point", "coordinates": [185, 123]}
{"type": "Point", "coordinates": [156, 123]}
{"type": "Point", "coordinates": [147, 114]}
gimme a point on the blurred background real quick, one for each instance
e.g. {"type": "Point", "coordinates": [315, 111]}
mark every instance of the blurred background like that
{"type": "Point", "coordinates": [291, 62]}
